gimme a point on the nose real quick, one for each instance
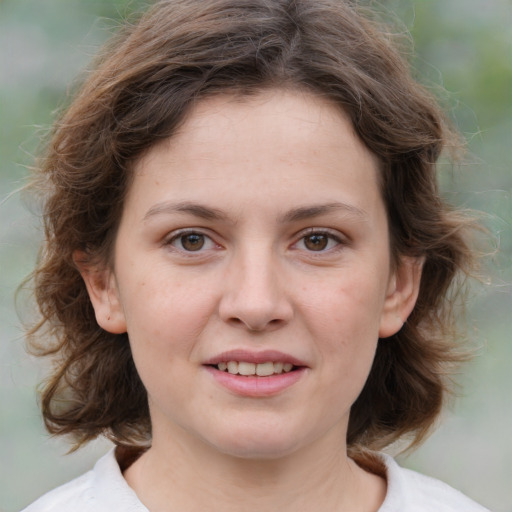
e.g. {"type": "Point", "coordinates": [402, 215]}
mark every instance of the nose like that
{"type": "Point", "coordinates": [255, 297]}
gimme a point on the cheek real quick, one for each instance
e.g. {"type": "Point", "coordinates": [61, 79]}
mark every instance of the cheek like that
{"type": "Point", "coordinates": [166, 312]}
{"type": "Point", "coordinates": [349, 304]}
{"type": "Point", "coordinates": [344, 318]}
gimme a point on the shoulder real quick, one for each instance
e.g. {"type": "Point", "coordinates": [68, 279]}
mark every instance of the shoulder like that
{"type": "Point", "coordinates": [103, 489]}
{"type": "Point", "coordinates": [413, 492]}
{"type": "Point", "coordinates": [74, 495]}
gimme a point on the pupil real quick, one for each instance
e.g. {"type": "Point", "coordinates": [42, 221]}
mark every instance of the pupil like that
{"type": "Point", "coordinates": [316, 242]}
{"type": "Point", "coordinates": [192, 242]}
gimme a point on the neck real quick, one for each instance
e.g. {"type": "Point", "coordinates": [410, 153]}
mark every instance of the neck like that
{"type": "Point", "coordinates": [193, 476]}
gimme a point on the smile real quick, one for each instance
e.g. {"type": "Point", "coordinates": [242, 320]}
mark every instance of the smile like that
{"type": "Point", "coordinates": [256, 374]}
{"type": "Point", "coordinates": [251, 369]}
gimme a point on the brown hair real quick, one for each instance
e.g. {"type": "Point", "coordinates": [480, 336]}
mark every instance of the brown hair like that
{"type": "Point", "coordinates": [142, 86]}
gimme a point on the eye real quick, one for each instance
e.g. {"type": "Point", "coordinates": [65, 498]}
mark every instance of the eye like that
{"type": "Point", "coordinates": [191, 241]}
{"type": "Point", "coordinates": [319, 241]}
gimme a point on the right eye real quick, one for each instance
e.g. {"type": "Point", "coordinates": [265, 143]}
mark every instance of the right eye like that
{"type": "Point", "coordinates": [191, 241]}
{"type": "Point", "coordinates": [320, 241]}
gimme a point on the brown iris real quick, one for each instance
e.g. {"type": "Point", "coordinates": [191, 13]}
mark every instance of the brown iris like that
{"type": "Point", "coordinates": [316, 242]}
{"type": "Point", "coordinates": [192, 241]}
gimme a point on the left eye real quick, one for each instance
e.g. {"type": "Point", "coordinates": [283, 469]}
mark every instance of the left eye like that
{"type": "Point", "coordinates": [318, 242]}
{"type": "Point", "coordinates": [191, 242]}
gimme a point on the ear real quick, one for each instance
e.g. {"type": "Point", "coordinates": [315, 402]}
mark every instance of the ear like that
{"type": "Point", "coordinates": [102, 289]}
{"type": "Point", "coordinates": [402, 292]}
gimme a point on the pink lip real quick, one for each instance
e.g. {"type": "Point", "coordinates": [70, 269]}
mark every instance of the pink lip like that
{"type": "Point", "coordinates": [254, 386]}
{"type": "Point", "coordinates": [254, 357]}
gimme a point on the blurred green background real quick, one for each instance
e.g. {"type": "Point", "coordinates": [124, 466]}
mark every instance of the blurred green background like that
{"type": "Point", "coordinates": [462, 45]}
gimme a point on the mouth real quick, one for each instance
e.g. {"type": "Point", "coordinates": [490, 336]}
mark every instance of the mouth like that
{"type": "Point", "coordinates": [247, 363]}
{"type": "Point", "coordinates": [248, 369]}
{"type": "Point", "coordinates": [256, 374]}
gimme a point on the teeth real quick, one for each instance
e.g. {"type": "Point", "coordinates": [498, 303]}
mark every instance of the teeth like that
{"type": "Point", "coordinates": [249, 369]}
{"type": "Point", "coordinates": [265, 369]}
{"type": "Point", "coordinates": [233, 367]}
{"type": "Point", "coordinates": [246, 368]}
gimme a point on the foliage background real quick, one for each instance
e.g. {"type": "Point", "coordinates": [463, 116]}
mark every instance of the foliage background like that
{"type": "Point", "coordinates": [463, 45]}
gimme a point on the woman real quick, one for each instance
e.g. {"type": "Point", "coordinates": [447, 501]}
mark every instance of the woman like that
{"type": "Point", "coordinates": [247, 265]}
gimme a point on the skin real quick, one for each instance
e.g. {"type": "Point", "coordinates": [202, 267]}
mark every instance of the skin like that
{"type": "Point", "coordinates": [283, 201]}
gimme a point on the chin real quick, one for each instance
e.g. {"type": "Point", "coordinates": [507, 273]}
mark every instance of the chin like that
{"type": "Point", "coordinates": [257, 444]}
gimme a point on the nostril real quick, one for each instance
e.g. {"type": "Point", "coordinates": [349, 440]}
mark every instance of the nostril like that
{"type": "Point", "coordinates": [254, 326]}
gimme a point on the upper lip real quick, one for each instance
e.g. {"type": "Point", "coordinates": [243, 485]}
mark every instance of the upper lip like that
{"type": "Point", "coordinates": [251, 356]}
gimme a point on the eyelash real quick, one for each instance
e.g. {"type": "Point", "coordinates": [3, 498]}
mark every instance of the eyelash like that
{"type": "Point", "coordinates": [331, 236]}
{"type": "Point", "coordinates": [328, 235]}
{"type": "Point", "coordinates": [178, 236]}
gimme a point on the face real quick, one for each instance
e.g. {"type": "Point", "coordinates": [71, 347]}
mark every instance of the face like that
{"type": "Point", "coordinates": [252, 273]}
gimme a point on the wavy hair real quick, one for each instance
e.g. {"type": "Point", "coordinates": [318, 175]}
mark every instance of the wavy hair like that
{"type": "Point", "coordinates": [140, 89]}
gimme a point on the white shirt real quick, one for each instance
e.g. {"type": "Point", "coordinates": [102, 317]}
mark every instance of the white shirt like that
{"type": "Point", "coordinates": [104, 489]}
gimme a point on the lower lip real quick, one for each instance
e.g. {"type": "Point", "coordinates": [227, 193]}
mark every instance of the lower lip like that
{"type": "Point", "coordinates": [257, 386]}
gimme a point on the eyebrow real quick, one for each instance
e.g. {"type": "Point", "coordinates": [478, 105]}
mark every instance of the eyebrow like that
{"type": "Point", "coordinates": [198, 210]}
{"type": "Point", "coordinates": [212, 214]}
{"type": "Point", "coordinates": [308, 212]}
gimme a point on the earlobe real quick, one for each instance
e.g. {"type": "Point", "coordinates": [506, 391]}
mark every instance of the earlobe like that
{"type": "Point", "coordinates": [402, 293]}
{"type": "Point", "coordinates": [103, 293]}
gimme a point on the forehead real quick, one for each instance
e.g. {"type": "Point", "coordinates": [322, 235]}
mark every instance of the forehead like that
{"type": "Point", "coordinates": [265, 119]}
{"type": "Point", "coordinates": [285, 145]}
